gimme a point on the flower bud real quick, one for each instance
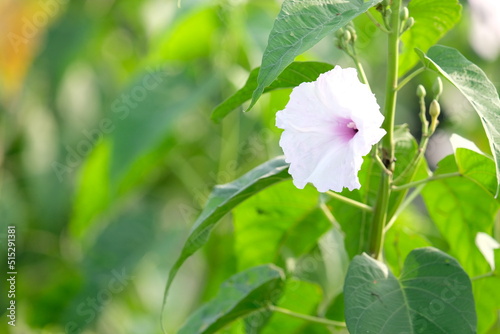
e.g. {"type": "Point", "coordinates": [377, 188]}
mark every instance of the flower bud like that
{"type": "Point", "coordinates": [347, 36]}
{"type": "Point", "coordinates": [437, 88]}
{"type": "Point", "coordinates": [421, 91]}
{"type": "Point", "coordinates": [408, 24]}
{"type": "Point", "coordinates": [405, 13]}
{"type": "Point", "coordinates": [351, 29]}
{"type": "Point", "coordinates": [434, 109]}
{"type": "Point", "coordinates": [340, 43]}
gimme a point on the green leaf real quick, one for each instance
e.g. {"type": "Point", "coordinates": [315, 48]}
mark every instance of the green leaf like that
{"type": "Point", "coordinates": [432, 295]}
{"type": "Point", "coordinates": [475, 86]}
{"type": "Point", "coordinates": [222, 200]}
{"type": "Point", "coordinates": [292, 76]}
{"type": "Point", "coordinates": [433, 19]}
{"type": "Point", "coordinates": [298, 27]}
{"type": "Point", "coordinates": [460, 208]}
{"type": "Point", "coordinates": [242, 294]}
{"type": "Point", "coordinates": [478, 168]}
{"type": "Point", "coordinates": [282, 220]}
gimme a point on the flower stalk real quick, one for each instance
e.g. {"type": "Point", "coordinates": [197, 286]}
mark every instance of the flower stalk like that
{"type": "Point", "coordinates": [382, 204]}
{"type": "Point", "coordinates": [346, 41]}
{"type": "Point", "coordinates": [377, 24]}
{"type": "Point", "coordinates": [349, 201]}
{"type": "Point", "coordinates": [306, 317]}
{"type": "Point", "coordinates": [410, 77]}
{"type": "Point", "coordinates": [424, 181]}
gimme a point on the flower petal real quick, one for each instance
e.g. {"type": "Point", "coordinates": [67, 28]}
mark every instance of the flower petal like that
{"type": "Point", "coordinates": [329, 124]}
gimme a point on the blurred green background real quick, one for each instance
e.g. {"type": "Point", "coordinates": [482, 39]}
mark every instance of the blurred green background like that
{"type": "Point", "coordinates": [107, 150]}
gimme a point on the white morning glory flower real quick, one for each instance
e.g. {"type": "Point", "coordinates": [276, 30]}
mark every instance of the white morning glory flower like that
{"type": "Point", "coordinates": [330, 124]}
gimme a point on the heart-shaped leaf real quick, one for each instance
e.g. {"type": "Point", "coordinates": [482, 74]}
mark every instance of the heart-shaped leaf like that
{"type": "Point", "coordinates": [433, 295]}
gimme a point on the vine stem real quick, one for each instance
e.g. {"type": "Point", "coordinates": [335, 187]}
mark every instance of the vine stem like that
{"type": "Point", "coordinates": [412, 167]}
{"type": "Point", "coordinates": [403, 206]}
{"type": "Point", "coordinates": [361, 71]}
{"type": "Point", "coordinates": [380, 211]}
{"type": "Point", "coordinates": [490, 274]}
{"type": "Point", "coordinates": [424, 181]}
{"type": "Point", "coordinates": [359, 66]}
{"type": "Point", "coordinates": [377, 23]}
{"type": "Point", "coordinates": [349, 201]}
{"type": "Point", "coordinates": [409, 78]}
{"type": "Point", "coordinates": [310, 318]}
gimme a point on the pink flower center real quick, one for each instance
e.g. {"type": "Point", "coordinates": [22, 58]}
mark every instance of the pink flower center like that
{"type": "Point", "coordinates": [345, 129]}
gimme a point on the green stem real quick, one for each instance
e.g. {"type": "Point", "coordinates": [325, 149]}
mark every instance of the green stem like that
{"type": "Point", "coordinates": [409, 78]}
{"type": "Point", "coordinates": [380, 211]}
{"type": "Point", "coordinates": [361, 71]}
{"type": "Point", "coordinates": [359, 66]}
{"type": "Point", "coordinates": [424, 181]}
{"type": "Point", "coordinates": [490, 274]}
{"type": "Point", "coordinates": [392, 81]}
{"type": "Point", "coordinates": [379, 217]}
{"type": "Point", "coordinates": [377, 23]}
{"type": "Point", "coordinates": [423, 120]}
{"type": "Point", "coordinates": [403, 206]}
{"type": "Point", "coordinates": [329, 216]}
{"type": "Point", "coordinates": [349, 201]}
{"type": "Point", "coordinates": [310, 318]}
{"type": "Point", "coordinates": [379, 162]}
{"type": "Point", "coordinates": [412, 166]}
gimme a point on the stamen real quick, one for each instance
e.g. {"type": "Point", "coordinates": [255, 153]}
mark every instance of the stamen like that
{"type": "Point", "coordinates": [352, 125]}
